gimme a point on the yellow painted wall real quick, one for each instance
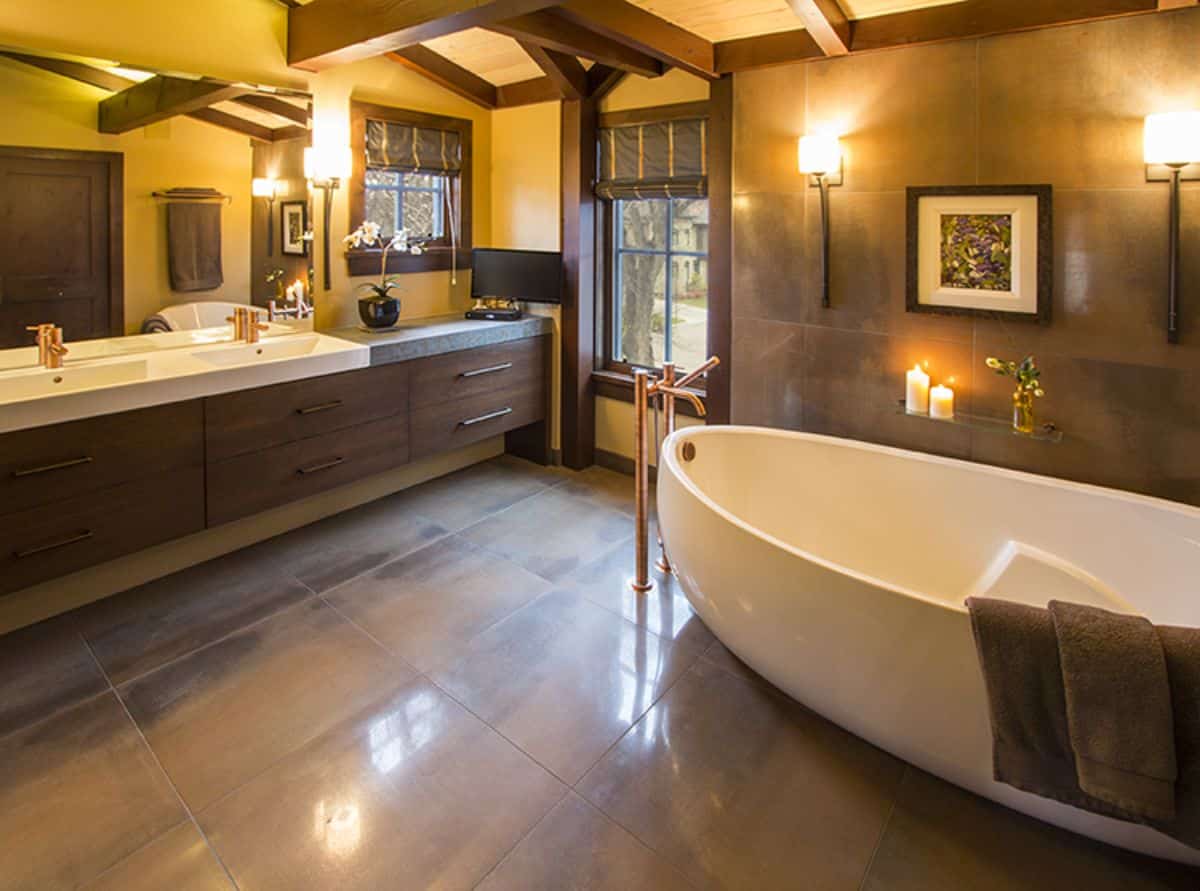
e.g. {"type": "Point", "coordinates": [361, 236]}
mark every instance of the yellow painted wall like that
{"type": "Point", "coordinates": [526, 201]}
{"type": "Point", "coordinates": [614, 418]}
{"type": "Point", "coordinates": [48, 111]}
{"type": "Point", "coordinates": [246, 40]}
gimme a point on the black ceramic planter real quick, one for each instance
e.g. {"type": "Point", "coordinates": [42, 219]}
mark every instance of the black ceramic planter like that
{"type": "Point", "coordinates": [379, 312]}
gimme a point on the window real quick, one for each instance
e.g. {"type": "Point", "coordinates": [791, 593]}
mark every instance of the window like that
{"type": "Point", "coordinates": [413, 171]}
{"type": "Point", "coordinates": [660, 281]}
{"type": "Point", "coordinates": [412, 201]}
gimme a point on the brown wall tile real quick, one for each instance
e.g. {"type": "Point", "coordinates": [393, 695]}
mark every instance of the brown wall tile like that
{"type": "Point", "coordinates": [908, 117]}
{"type": "Point", "coordinates": [769, 256]}
{"type": "Point", "coordinates": [768, 121]}
{"type": "Point", "coordinates": [768, 376]}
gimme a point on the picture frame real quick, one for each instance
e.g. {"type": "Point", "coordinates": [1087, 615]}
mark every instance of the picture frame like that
{"type": "Point", "coordinates": [293, 224]}
{"type": "Point", "coordinates": [984, 251]}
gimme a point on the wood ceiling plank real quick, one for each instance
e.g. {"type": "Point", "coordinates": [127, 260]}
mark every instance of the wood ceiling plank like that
{"type": "Point", "coordinates": [552, 31]}
{"type": "Point", "coordinates": [645, 32]}
{"type": "Point", "coordinates": [568, 75]}
{"type": "Point", "coordinates": [333, 32]}
{"type": "Point", "coordinates": [447, 74]}
{"type": "Point", "coordinates": [827, 23]}
{"type": "Point", "coordinates": [159, 98]}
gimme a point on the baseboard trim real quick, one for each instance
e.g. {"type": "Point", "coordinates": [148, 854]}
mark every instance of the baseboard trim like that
{"type": "Point", "coordinates": [620, 463]}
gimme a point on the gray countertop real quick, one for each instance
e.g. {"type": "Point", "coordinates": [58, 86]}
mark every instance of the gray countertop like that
{"type": "Point", "coordinates": [440, 334]}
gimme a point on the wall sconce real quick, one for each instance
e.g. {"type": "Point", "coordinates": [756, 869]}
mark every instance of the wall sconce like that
{"type": "Point", "coordinates": [266, 187]}
{"type": "Point", "coordinates": [820, 159]}
{"type": "Point", "coordinates": [1172, 141]}
{"type": "Point", "coordinates": [325, 167]}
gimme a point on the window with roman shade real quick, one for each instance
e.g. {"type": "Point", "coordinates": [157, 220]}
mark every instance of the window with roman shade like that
{"type": "Point", "coordinates": [662, 159]}
{"type": "Point", "coordinates": [413, 171]}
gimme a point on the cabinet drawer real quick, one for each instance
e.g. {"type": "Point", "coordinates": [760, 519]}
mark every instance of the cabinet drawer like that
{"type": "Point", "coordinates": [53, 540]}
{"type": "Point", "coordinates": [48, 464]}
{"type": "Point", "coordinates": [253, 420]}
{"type": "Point", "coordinates": [451, 425]}
{"type": "Point", "coordinates": [248, 484]}
{"type": "Point", "coordinates": [462, 375]}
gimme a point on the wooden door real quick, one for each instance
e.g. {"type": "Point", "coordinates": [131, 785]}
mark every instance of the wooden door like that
{"type": "Point", "coordinates": [61, 243]}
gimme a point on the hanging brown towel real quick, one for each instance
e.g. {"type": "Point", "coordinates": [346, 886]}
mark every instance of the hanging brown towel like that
{"type": "Point", "coordinates": [194, 246]}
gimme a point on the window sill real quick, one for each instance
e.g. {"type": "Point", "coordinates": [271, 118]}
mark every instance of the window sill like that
{"type": "Point", "coordinates": [619, 386]}
{"type": "Point", "coordinates": [434, 259]}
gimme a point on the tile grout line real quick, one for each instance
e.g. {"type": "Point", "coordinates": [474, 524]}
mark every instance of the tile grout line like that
{"type": "Point", "coordinates": [158, 763]}
{"type": "Point", "coordinates": [884, 828]}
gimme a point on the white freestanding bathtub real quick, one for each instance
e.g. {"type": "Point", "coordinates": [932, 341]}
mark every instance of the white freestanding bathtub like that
{"type": "Point", "coordinates": [838, 571]}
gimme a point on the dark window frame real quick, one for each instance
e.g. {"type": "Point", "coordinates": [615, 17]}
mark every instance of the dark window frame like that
{"type": "Point", "coordinates": [459, 193]}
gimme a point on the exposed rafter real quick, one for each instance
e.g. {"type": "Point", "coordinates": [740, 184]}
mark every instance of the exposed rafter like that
{"type": "Point", "coordinates": [528, 92]}
{"type": "Point", "coordinates": [159, 98]}
{"type": "Point", "coordinates": [565, 71]}
{"type": "Point", "coordinates": [602, 80]}
{"type": "Point", "coordinates": [447, 74]}
{"type": "Point", "coordinates": [271, 105]}
{"type": "Point", "coordinates": [826, 21]}
{"type": "Point", "coordinates": [332, 32]}
{"type": "Point", "coordinates": [554, 32]}
{"type": "Point", "coordinates": [635, 27]}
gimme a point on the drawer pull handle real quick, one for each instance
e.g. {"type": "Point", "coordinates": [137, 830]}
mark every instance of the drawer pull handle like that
{"type": "Point", "coordinates": [491, 369]}
{"type": "Point", "coordinates": [315, 409]}
{"type": "Point", "coordinates": [317, 468]}
{"type": "Point", "coordinates": [61, 465]}
{"type": "Point", "coordinates": [54, 545]}
{"type": "Point", "coordinates": [490, 416]}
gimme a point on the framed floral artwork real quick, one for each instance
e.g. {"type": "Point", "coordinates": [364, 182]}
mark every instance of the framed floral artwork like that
{"type": "Point", "coordinates": [981, 251]}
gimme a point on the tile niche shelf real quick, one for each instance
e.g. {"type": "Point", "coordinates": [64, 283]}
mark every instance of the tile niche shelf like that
{"type": "Point", "coordinates": [1044, 433]}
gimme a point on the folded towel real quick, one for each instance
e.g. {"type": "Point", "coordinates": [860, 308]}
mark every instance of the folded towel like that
{"type": "Point", "coordinates": [1181, 647]}
{"type": "Point", "coordinates": [1118, 700]}
{"type": "Point", "coordinates": [156, 324]}
{"type": "Point", "coordinates": [194, 246]}
{"type": "Point", "coordinates": [1031, 746]}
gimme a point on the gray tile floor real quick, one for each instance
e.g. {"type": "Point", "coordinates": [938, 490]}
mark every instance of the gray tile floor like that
{"type": "Point", "coordinates": [452, 688]}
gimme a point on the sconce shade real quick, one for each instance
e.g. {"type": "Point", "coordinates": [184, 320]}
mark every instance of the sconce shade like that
{"type": "Point", "coordinates": [263, 187]}
{"type": "Point", "coordinates": [1173, 138]}
{"type": "Point", "coordinates": [820, 153]}
{"type": "Point", "coordinates": [327, 162]}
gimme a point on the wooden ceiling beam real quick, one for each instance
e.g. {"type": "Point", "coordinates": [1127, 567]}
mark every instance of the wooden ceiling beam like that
{"type": "Point", "coordinates": [568, 75]}
{"type": "Point", "coordinates": [552, 31]}
{"type": "Point", "coordinates": [635, 27]}
{"type": "Point", "coordinates": [826, 21]}
{"type": "Point", "coordinates": [227, 121]}
{"type": "Point", "coordinates": [957, 21]}
{"type": "Point", "coordinates": [96, 77]}
{"type": "Point", "coordinates": [277, 107]}
{"type": "Point", "coordinates": [602, 80]}
{"type": "Point", "coordinates": [159, 98]}
{"type": "Point", "coordinates": [333, 32]}
{"type": "Point", "coordinates": [528, 92]}
{"type": "Point", "coordinates": [447, 74]}
{"type": "Point", "coordinates": [1176, 4]}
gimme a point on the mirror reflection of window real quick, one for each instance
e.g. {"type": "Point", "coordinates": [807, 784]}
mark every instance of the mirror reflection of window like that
{"type": "Point", "coordinates": [412, 201]}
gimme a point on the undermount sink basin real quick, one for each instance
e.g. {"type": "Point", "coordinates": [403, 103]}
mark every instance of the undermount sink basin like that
{"type": "Point", "coordinates": [264, 351]}
{"type": "Point", "coordinates": [52, 382]}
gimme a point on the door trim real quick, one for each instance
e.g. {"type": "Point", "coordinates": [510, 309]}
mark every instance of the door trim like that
{"type": "Point", "coordinates": [116, 218]}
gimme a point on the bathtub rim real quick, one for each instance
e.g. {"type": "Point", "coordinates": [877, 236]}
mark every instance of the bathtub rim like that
{"type": "Point", "coordinates": [670, 457]}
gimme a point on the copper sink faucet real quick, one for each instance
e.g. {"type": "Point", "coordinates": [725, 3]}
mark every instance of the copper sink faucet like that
{"type": "Point", "coordinates": [49, 344]}
{"type": "Point", "coordinates": [246, 324]}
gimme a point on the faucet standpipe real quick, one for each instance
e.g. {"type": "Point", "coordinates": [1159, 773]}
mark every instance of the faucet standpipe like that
{"type": "Point", "coordinates": [49, 344]}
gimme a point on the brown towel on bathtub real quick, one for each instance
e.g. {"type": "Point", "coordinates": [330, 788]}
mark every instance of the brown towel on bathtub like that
{"type": "Point", "coordinates": [1019, 655]}
{"type": "Point", "coordinates": [194, 246]}
{"type": "Point", "coordinates": [1118, 709]}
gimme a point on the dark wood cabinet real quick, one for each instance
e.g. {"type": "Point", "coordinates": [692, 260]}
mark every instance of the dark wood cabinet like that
{"type": "Point", "coordinates": [77, 494]}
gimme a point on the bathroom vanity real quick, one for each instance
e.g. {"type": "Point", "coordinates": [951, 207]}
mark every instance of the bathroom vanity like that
{"type": "Point", "coordinates": [121, 463]}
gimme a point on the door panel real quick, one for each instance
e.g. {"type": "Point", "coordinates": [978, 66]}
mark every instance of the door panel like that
{"type": "Point", "coordinates": [59, 225]}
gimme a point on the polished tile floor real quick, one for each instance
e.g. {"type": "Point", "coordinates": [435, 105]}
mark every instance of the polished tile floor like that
{"type": "Point", "coordinates": [453, 688]}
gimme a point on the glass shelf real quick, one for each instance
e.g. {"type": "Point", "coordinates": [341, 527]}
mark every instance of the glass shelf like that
{"type": "Point", "coordinates": [1043, 433]}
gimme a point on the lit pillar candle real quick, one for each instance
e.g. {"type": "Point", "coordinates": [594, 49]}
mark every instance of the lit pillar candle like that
{"type": "Point", "coordinates": [941, 403]}
{"type": "Point", "coordinates": [916, 398]}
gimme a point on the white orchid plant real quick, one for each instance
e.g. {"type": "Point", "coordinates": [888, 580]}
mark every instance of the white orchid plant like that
{"type": "Point", "coordinates": [369, 235]}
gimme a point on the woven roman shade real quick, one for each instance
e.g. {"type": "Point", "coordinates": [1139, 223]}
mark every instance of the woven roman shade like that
{"type": "Point", "coordinates": [666, 159]}
{"type": "Point", "coordinates": [413, 149]}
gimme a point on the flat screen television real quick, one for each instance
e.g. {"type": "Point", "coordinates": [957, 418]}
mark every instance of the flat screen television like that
{"type": "Point", "coordinates": [533, 276]}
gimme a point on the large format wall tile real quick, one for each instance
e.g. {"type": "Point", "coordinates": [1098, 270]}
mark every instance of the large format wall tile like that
{"type": "Point", "coordinates": [770, 256]}
{"type": "Point", "coordinates": [908, 118]}
{"type": "Point", "coordinates": [768, 373]}
{"type": "Point", "coordinates": [1065, 105]}
{"type": "Point", "coordinates": [853, 382]}
{"type": "Point", "coordinates": [768, 120]}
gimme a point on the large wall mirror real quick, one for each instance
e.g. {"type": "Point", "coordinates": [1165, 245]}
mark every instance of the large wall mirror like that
{"type": "Point", "coordinates": [140, 202]}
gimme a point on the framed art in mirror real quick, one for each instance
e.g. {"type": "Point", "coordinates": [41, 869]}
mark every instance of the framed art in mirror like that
{"type": "Point", "coordinates": [981, 251]}
{"type": "Point", "coordinates": [294, 228]}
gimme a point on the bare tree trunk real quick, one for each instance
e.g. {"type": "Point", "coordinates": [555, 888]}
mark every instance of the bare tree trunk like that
{"type": "Point", "coordinates": [643, 277]}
